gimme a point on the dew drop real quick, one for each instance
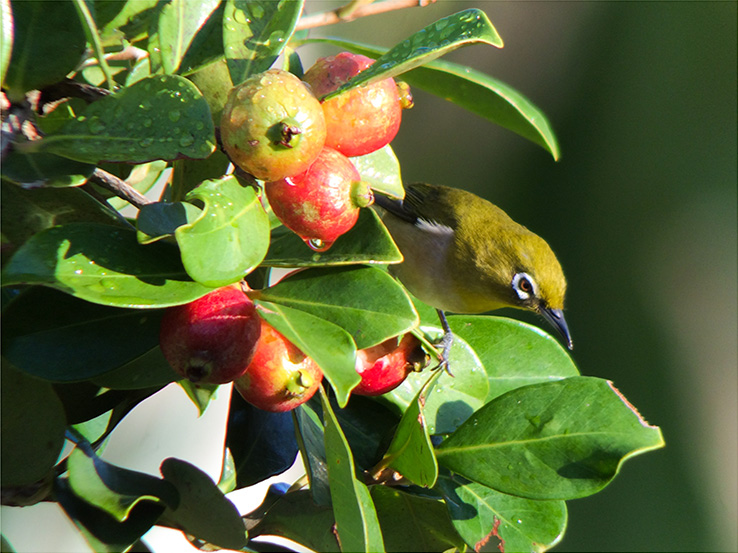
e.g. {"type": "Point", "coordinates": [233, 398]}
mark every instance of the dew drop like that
{"type": "Point", "coordinates": [174, 115]}
{"type": "Point", "coordinates": [78, 272]}
{"type": "Point", "coordinates": [95, 125]}
{"type": "Point", "coordinates": [147, 123]}
{"type": "Point", "coordinates": [257, 10]}
{"type": "Point", "coordinates": [240, 17]}
{"type": "Point", "coordinates": [186, 141]}
{"type": "Point", "coordinates": [318, 245]}
{"type": "Point", "coordinates": [146, 142]}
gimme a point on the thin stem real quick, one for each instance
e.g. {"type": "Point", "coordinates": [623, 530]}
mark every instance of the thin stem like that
{"type": "Point", "coordinates": [337, 16]}
{"type": "Point", "coordinates": [93, 37]}
{"type": "Point", "coordinates": [120, 188]}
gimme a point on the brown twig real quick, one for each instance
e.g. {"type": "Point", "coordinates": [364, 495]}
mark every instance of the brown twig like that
{"type": "Point", "coordinates": [120, 188]}
{"type": "Point", "coordinates": [333, 16]}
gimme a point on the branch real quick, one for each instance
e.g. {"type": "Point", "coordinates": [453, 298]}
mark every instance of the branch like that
{"type": "Point", "coordinates": [341, 14]}
{"type": "Point", "coordinates": [120, 188]}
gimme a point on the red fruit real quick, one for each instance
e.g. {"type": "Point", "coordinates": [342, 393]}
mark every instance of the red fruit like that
{"type": "Point", "coordinates": [363, 119]}
{"type": "Point", "coordinates": [212, 339]}
{"type": "Point", "coordinates": [385, 366]}
{"type": "Point", "coordinates": [323, 202]}
{"type": "Point", "coordinates": [280, 377]}
{"type": "Point", "coordinates": [272, 126]}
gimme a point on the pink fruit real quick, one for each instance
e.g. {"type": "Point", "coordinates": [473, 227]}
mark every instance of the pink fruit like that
{"type": "Point", "coordinates": [385, 366]}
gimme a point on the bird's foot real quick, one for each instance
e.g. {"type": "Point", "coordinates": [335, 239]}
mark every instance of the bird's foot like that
{"type": "Point", "coordinates": [445, 344]}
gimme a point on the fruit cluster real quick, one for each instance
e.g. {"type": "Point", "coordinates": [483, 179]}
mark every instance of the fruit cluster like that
{"type": "Point", "coordinates": [274, 127]}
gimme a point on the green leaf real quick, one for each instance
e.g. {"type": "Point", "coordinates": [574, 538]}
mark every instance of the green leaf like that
{"type": "Point", "coordinates": [310, 438]}
{"type": "Point", "coordinates": [58, 337]}
{"type": "Point", "coordinates": [454, 398]}
{"type": "Point", "coordinates": [357, 525]}
{"type": "Point", "coordinates": [43, 50]}
{"type": "Point", "coordinates": [159, 117]}
{"type": "Point", "coordinates": [6, 44]}
{"type": "Point", "coordinates": [33, 424]}
{"type": "Point", "coordinates": [411, 453]}
{"type": "Point", "coordinates": [146, 371]}
{"type": "Point", "coordinates": [367, 242]}
{"type": "Point", "coordinates": [203, 510]}
{"type": "Point", "coordinates": [365, 301]}
{"type": "Point", "coordinates": [206, 47]}
{"type": "Point", "coordinates": [188, 174]}
{"type": "Point", "coordinates": [199, 394]}
{"type": "Point", "coordinates": [475, 91]}
{"type": "Point", "coordinates": [142, 177]}
{"type": "Point", "coordinates": [34, 170]}
{"type": "Point", "coordinates": [214, 82]}
{"type": "Point", "coordinates": [414, 523]}
{"type": "Point", "coordinates": [481, 514]}
{"type": "Point", "coordinates": [437, 39]}
{"type": "Point", "coordinates": [179, 22]}
{"type": "Point", "coordinates": [296, 517]}
{"type": "Point", "coordinates": [130, 13]}
{"type": "Point", "coordinates": [233, 229]}
{"type": "Point", "coordinates": [330, 346]}
{"type": "Point", "coordinates": [113, 489]}
{"type": "Point", "coordinates": [161, 219]}
{"type": "Point", "coordinates": [381, 170]}
{"type": "Point", "coordinates": [105, 265]}
{"type": "Point", "coordinates": [514, 353]}
{"type": "Point", "coordinates": [255, 32]}
{"type": "Point", "coordinates": [553, 440]}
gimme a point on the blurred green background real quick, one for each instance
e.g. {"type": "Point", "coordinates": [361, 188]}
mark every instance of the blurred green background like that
{"type": "Point", "coordinates": [641, 210]}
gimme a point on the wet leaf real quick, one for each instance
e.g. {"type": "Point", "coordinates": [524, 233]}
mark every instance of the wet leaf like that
{"type": "Point", "coordinates": [381, 170]}
{"type": "Point", "coordinates": [179, 21]}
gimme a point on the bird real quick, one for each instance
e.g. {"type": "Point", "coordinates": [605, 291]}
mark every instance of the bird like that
{"type": "Point", "coordinates": [463, 254]}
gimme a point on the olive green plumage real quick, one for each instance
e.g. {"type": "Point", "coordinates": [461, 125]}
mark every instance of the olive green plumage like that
{"type": "Point", "coordinates": [464, 254]}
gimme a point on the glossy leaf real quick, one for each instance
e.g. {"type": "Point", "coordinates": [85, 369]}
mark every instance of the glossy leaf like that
{"type": "Point", "coordinates": [296, 517]}
{"type": "Point", "coordinates": [130, 14]}
{"type": "Point", "coordinates": [483, 517]}
{"type": "Point", "coordinates": [203, 511]}
{"type": "Point", "coordinates": [357, 526]}
{"type": "Point", "coordinates": [262, 443]}
{"type": "Point", "coordinates": [206, 46]}
{"type": "Point", "coordinates": [514, 353]}
{"type": "Point", "coordinates": [33, 424]}
{"type": "Point", "coordinates": [414, 523]}
{"type": "Point", "coordinates": [55, 336]}
{"type": "Point", "coordinates": [35, 170]}
{"type": "Point", "coordinates": [104, 265]}
{"type": "Point", "coordinates": [437, 39]}
{"type": "Point", "coordinates": [309, 431]}
{"type": "Point", "coordinates": [330, 346]}
{"type": "Point", "coordinates": [365, 301]}
{"type": "Point", "coordinates": [145, 371]}
{"type": "Point", "coordinates": [553, 440]}
{"type": "Point", "coordinates": [255, 32]}
{"type": "Point", "coordinates": [475, 91]}
{"type": "Point", "coordinates": [232, 229]}
{"type": "Point", "coordinates": [6, 45]}
{"type": "Point", "coordinates": [454, 398]}
{"type": "Point", "coordinates": [188, 174]}
{"type": "Point", "coordinates": [161, 219]}
{"type": "Point", "coordinates": [411, 453]}
{"type": "Point", "coordinates": [381, 170]}
{"type": "Point", "coordinates": [159, 117]}
{"type": "Point", "coordinates": [113, 489]}
{"type": "Point", "coordinates": [367, 242]}
{"type": "Point", "coordinates": [179, 21]}
{"type": "Point", "coordinates": [43, 52]}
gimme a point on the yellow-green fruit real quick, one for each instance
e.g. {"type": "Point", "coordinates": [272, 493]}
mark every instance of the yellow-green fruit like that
{"type": "Point", "coordinates": [272, 126]}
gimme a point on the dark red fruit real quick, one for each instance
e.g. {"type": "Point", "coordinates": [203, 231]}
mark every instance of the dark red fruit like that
{"type": "Point", "coordinates": [385, 366]}
{"type": "Point", "coordinates": [212, 339]}
{"type": "Point", "coordinates": [322, 203]}
{"type": "Point", "coordinates": [272, 126]}
{"type": "Point", "coordinates": [280, 377]}
{"type": "Point", "coordinates": [363, 119]}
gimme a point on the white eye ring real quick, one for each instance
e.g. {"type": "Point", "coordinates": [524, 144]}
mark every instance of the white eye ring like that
{"type": "Point", "coordinates": [525, 287]}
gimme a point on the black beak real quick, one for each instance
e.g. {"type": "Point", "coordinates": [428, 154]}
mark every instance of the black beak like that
{"type": "Point", "coordinates": [556, 318]}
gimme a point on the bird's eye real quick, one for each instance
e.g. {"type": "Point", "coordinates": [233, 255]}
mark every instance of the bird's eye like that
{"type": "Point", "coordinates": [524, 286]}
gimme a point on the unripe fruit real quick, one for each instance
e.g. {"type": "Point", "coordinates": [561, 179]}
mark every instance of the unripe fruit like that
{"type": "Point", "coordinates": [280, 377]}
{"type": "Point", "coordinates": [385, 366]}
{"type": "Point", "coordinates": [212, 339]}
{"type": "Point", "coordinates": [322, 203]}
{"type": "Point", "coordinates": [365, 118]}
{"type": "Point", "coordinates": [272, 126]}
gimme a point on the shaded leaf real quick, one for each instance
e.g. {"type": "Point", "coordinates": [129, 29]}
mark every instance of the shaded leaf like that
{"type": "Point", "coordinates": [367, 242]}
{"type": "Point", "coordinates": [35, 170]}
{"type": "Point", "coordinates": [255, 32]}
{"type": "Point", "coordinates": [414, 523]}
{"type": "Point", "coordinates": [553, 440]}
{"type": "Point", "coordinates": [381, 170]}
{"type": "Point", "coordinates": [309, 430]}
{"type": "Point", "coordinates": [58, 337]}
{"type": "Point", "coordinates": [482, 515]}
{"type": "Point", "coordinates": [203, 511]}
{"type": "Point", "coordinates": [356, 519]}
{"type": "Point", "coordinates": [206, 46]}
{"type": "Point", "coordinates": [365, 301]}
{"type": "Point", "coordinates": [188, 174]}
{"type": "Point", "coordinates": [105, 265]}
{"type": "Point", "coordinates": [443, 36]}
{"type": "Point", "coordinates": [513, 353]}
{"type": "Point", "coordinates": [179, 21]}
{"type": "Point", "coordinates": [143, 178]}
{"type": "Point", "coordinates": [199, 394]}
{"type": "Point", "coordinates": [33, 425]}
{"type": "Point", "coordinates": [161, 219]}
{"type": "Point", "coordinates": [158, 117]}
{"type": "Point", "coordinates": [145, 371]}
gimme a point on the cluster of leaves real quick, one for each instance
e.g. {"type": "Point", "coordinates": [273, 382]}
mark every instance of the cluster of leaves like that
{"type": "Point", "coordinates": [440, 462]}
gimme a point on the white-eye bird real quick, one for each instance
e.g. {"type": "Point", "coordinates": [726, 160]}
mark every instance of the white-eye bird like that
{"type": "Point", "coordinates": [465, 255]}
